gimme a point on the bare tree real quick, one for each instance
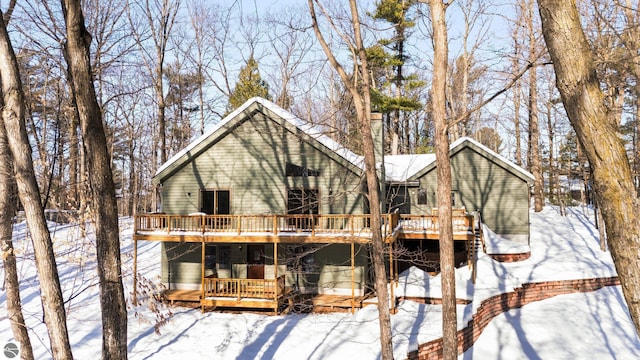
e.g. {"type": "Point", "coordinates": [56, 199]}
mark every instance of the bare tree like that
{"type": "Point", "coordinates": [159, 17]}
{"type": "Point", "coordinates": [534, 159]}
{"type": "Point", "coordinates": [13, 117]}
{"type": "Point", "coordinates": [359, 87]}
{"type": "Point", "coordinates": [584, 102]}
{"type": "Point", "coordinates": [516, 38]}
{"type": "Point", "coordinates": [443, 165]}
{"type": "Point", "coordinates": [197, 52]}
{"type": "Point", "coordinates": [11, 283]}
{"type": "Point", "coordinates": [113, 306]}
{"type": "Point", "coordinates": [291, 46]}
{"type": "Point", "coordinates": [466, 71]}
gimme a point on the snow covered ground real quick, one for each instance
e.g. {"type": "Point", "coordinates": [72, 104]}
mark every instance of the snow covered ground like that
{"type": "Point", "coordinates": [579, 326]}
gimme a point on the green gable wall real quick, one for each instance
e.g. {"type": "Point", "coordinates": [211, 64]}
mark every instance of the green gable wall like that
{"type": "Point", "coordinates": [479, 183]}
{"type": "Point", "coordinates": [250, 161]}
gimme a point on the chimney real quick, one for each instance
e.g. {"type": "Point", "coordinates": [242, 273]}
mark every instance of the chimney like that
{"type": "Point", "coordinates": [377, 134]}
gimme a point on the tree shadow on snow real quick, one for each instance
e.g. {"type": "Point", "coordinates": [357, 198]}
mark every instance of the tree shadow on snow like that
{"type": "Point", "coordinates": [272, 337]}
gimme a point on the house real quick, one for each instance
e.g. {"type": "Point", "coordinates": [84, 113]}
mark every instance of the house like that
{"type": "Point", "coordinates": [265, 206]}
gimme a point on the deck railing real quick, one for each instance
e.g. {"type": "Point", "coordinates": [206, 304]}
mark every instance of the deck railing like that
{"type": "Point", "coordinates": [244, 288]}
{"type": "Point", "coordinates": [325, 223]}
{"type": "Point", "coordinates": [409, 222]}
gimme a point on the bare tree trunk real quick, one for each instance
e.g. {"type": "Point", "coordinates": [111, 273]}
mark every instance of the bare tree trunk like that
{"type": "Point", "coordinates": [105, 211]}
{"type": "Point", "coordinates": [13, 116]}
{"type": "Point", "coordinates": [74, 157]}
{"type": "Point", "coordinates": [551, 139]}
{"type": "Point", "coordinates": [601, 228]}
{"type": "Point", "coordinates": [583, 100]}
{"type": "Point", "coordinates": [517, 88]}
{"type": "Point", "coordinates": [12, 285]}
{"type": "Point", "coordinates": [443, 168]}
{"type": "Point", "coordinates": [534, 129]}
{"type": "Point", "coordinates": [362, 101]}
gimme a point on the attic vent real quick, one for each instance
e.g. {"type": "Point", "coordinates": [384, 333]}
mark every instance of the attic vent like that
{"type": "Point", "coordinates": [296, 170]}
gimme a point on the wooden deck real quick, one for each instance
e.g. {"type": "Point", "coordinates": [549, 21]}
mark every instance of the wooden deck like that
{"type": "Point", "coordinates": [325, 302]}
{"type": "Point", "coordinates": [276, 229]}
{"type": "Point", "coordinates": [182, 295]}
{"type": "Point", "coordinates": [312, 302]}
{"type": "Point", "coordinates": [294, 229]}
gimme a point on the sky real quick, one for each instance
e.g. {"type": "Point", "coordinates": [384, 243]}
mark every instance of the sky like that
{"type": "Point", "coordinates": [592, 325]}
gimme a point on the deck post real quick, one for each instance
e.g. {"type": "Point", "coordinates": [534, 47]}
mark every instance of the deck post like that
{"type": "Point", "coordinates": [353, 278]}
{"type": "Point", "coordinates": [202, 279]}
{"type": "Point", "coordinates": [275, 274]}
{"type": "Point", "coordinates": [135, 272]}
{"type": "Point", "coordinates": [392, 277]}
{"type": "Point", "coordinates": [351, 224]}
{"type": "Point", "coordinates": [275, 224]}
{"type": "Point", "coordinates": [313, 228]}
{"type": "Point", "coordinates": [239, 219]}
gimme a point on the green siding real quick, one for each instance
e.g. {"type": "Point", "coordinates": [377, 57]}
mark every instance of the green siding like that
{"type": "Point", "coordinates": [250, 161]}
{"type": "Point", "coordinates": [181, 264]}
{"type": "Point", "coordinates": [482, 184]}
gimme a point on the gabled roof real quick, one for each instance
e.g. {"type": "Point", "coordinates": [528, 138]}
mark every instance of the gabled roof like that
{"type": "Point", "coordinates": [313, 133]}
{"type": "Point", "coordinates": [466, 142]}
{"type": "Point", "coordinates": [398, 168]}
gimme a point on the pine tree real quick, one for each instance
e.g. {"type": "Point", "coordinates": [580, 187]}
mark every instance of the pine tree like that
{"type": "Point", "coordinates": [393, 91]}
{"type": "Point", "coordinates": [250, 84]}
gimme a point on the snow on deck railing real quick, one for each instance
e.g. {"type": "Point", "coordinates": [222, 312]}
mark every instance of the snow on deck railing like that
{"type": "Point", "coordinates": [430, 223]}
{"type": "Point", "coordinates": [326, 223]}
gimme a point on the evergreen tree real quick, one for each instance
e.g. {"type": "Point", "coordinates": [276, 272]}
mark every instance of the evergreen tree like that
{"type": "Point", "coordinates": [394, 92]}
{"type": "Point", "coordinates": [250, 84]}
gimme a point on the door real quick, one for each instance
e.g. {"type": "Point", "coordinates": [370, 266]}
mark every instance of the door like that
{"type": "Point", "coordinates": [255, 261]}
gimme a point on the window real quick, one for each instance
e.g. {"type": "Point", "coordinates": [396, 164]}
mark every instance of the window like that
{"type": "Point", "coordinates": [216, 202]}
{"type": "Point", "coordinates": [210, 257]}
{"type": "Point", "coordinates": [224, 256]}
{"type": "Point", "coordinates": [422, 197]}
{"type": "Point", "coordinates": [301, 258]}
{"type": "Point", "coordinates": [219, 255]}
{"type": "Point", "coordinates": [300, 171]}
{"type": "Point", "coordinates": [302, 202]}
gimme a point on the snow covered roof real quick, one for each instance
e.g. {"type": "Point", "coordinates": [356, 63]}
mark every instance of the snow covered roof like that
{"type": "Point", "coordinates": [398, 168]}
{"type": "Point", "coordinates": [410, 167]}
{"type": "Point", "coordinates": [260, 104]}
{"type": "Point", "coordinates": [402, 167]}
{"type": "Point", "coordinates": [464, 142]}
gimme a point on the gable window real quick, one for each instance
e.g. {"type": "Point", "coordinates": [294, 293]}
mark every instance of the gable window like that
{"type": "Point", "coordinates": [422, 197]}
{"type": "Point", "coordinates": [300, 171]}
